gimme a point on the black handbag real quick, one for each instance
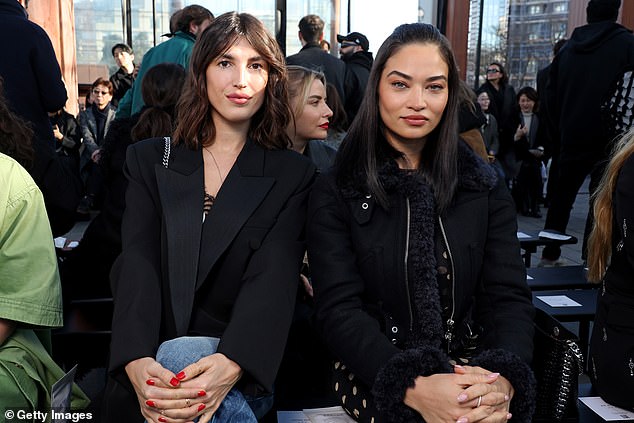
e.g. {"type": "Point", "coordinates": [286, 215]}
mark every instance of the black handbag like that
{"type": "Point", "coordinates": [557, 363]}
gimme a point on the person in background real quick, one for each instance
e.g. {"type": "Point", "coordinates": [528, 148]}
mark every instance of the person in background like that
{"type": "Point", "coordinates": [338, 124]}
{"type": "Point", "coordinates": [311, 116]}
{"type": "Point", "coordinates": [94, 123]}
{"type": "Point", "coordinates": [598, 56]}
{"type": "Point", "coordinates": [212, 237]}
{"type": "Point", "coordinates": [312, 56]}
{"type": "Point", "coordinates": [414, 256]}
{"type": "Point", "coordinates": [502, 106]}
{"type": "Point", "coordinates": [611, 263]}
{"type": "Point", "coordinates": [189, 23]}
{"type": "Point", "coordinates": [30, 291]}
{"type": "Point", "coordinates": [354, 51]}
{"type": "Point", "coordinates": [100, 245]}
{"type": "Point", "coordinates": [325, 45]}
{"type": "Point", "coordinates": [490, 128]}
{"type": "Point", "coordinates": [67, 134]}
{"type": "Point", "coordinates": [529, 151]}
{"type": "Point", "coordinates": [123, 78]}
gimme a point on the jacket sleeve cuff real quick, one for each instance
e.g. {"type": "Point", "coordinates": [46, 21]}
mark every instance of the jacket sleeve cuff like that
{"type": "Point", "coordinates": [519, 374]}
{"type": "Point", "coordinates": [399, 374]}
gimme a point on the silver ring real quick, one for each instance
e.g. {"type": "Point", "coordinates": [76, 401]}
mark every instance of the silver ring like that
{"type": "Point", "coordinates": [479, 401]}
{"type": "Point", "coordinates": [187, 402]}
{"type": "Point", "coordinates": [162, 412]}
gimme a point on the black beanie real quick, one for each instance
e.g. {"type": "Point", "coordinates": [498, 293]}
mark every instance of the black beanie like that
{"type": "Point", "coordinates": [603, 10]}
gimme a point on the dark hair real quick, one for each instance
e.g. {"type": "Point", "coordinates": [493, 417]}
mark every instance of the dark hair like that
{"type": "Point", "coordinates": [602, 10]}
{"type": "Point", "coordinates": [531, 93]}
{"type": "Point", "coordinates": [339, 119]}
{"type": "Point", "coordinates": [124, 47]}
{"type": "Point", "coordinates": [103, 82]}
{"type": "Point", "coordinates": [161, 88]}
{"type": "Point", "coordinates": [268, 125]}
{"type": "Point", "coordinates": [190, 14]}
{"type": "Point", "coordinates": [365, 148]}
{"type": "Point", "coordinates": [16, 136]}
{"type": "Point", "coordinates": [505, 78]}
{"type": "Point", "coordinates": [311, 28]}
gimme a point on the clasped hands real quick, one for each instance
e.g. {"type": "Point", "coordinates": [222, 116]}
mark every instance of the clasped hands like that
{"type": "Point", "coordinates": [470, 394]}
{"type": "Point", "coordinates": [197, 390]}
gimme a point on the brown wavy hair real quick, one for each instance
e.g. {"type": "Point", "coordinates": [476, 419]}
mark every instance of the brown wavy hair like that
{"type": "Point", "coordinates": [16, 135]}
{"type": "Point", "coordinates": [161, 88]}
{"type": "Point", "coordinates": [600, 240]}
{"type": "Point", "coordinates": [194, 125]}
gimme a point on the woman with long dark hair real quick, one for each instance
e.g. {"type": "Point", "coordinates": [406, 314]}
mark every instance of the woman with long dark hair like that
{"type": "Point", "coordinates": [212, 233]}
{"type": "Point", "coordinates": [419, 286]}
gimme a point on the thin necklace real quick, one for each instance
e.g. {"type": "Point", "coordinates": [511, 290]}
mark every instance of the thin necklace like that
{"type": "Point", "coordinates": [216, 163]}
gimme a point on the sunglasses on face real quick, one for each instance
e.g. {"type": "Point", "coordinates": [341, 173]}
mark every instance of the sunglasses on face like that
{"type": "Point", "coordinates": [493, 70]}
{"type": "Point", "coordinates": [97, 92]}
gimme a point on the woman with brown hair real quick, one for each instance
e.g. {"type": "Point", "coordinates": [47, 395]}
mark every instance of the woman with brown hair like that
{"type": "Point", "coordinates": [212, 240]}
{"type": "Point", "coordinates": [611, 262]}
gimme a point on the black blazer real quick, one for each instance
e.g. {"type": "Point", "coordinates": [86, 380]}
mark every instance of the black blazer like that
{"type": "Point", "coordinates": [244, 260]}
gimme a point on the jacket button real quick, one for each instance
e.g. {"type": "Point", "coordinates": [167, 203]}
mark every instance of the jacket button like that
{"type": "Point", "coordinates": [365, 206]}
{"type": "Point", "coordinates": [394, 329]}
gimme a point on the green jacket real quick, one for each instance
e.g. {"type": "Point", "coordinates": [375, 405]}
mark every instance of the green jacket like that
{"type": "Point", "coordinates": [177, 49]}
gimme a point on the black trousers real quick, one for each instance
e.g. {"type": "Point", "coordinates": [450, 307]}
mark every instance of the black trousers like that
{"type": "Point", "coordinates": [568, 181]}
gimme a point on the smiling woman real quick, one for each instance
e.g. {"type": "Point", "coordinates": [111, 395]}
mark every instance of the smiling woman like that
{"type": "Point", "coordinates": [414, 258]}
{"type": "Point", "coordinates": [212, 241]}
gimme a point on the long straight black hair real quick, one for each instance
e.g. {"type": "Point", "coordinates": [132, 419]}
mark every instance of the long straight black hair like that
{"type": "Point", "coordinates": [365, 148]}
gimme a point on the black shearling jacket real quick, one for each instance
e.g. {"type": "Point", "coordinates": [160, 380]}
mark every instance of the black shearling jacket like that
{"type": "Point", "coordinates": [366, 262]}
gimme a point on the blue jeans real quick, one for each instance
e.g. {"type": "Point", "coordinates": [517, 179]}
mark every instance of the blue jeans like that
{"type": "Point", "coordinates": [176, 354]}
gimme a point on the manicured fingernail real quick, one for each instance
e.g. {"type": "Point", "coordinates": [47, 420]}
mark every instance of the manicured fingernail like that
{"type": "Point", "coordinates": [174, 382]}
{"type": "Point", "coordinates": [458, 366]}
{"type": "Point", "coordinates": [162, 419]}
{"type": "Point", "coordinates": [462, 420]}
{"type": "Point", "coordinates": [493, 375]}
{"type": "Point", "coordinates": [202, 393]}
{"type": "Point", "coordinates": [462, 397]}
{"type": "Point", "coordinates": [509, 416]}
{"type": "Point", "coordinates": [150, 382]}
{"type": "Point", "coordinates": [150, 403]}
{"type": "Point", "coordinates": [506, 398]}
{"type": "Point", "coordinates": [180, 376]}
{"type": "Point", "coordinates": [201, 407]}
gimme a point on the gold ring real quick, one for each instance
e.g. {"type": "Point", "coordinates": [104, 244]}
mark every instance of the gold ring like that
{"type": "Point", "coordinates": [162, 412]}
{"type": "Point", "coordinates": [187, 402]}
{"type": "Point", "coordinates": [479, 401]}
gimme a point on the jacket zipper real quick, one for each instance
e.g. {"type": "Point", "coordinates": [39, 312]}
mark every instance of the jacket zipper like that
{"type": "Point", "coordinates": [409, 302]}
{"type": "Point", "coordinates": [450, 321]}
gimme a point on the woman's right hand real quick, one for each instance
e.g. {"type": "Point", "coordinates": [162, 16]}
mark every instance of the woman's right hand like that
{"type": "Point", "coordinates": [153, 382]}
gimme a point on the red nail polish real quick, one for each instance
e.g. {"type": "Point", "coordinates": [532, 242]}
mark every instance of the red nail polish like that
{"type": "Point", "coordinates": [174, 382]}
{"type": "Point", "coordinates": [150, 403]}
{"type": "Point", "coordinates": [150, 382]}
{"type": "Point", "coordinates": [202, 393]}
{"type": "Point", "coordinates": [180, 376]}
{"type": "Point", "coordinates": [162, 419]}
{"type": "Point", "coordinates": [201, 407]}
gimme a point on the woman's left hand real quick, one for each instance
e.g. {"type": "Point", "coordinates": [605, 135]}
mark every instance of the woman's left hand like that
{"type": "Point", "coordinates": [485, 398]}
{"type": "Point", "coordinates": [212, 377]}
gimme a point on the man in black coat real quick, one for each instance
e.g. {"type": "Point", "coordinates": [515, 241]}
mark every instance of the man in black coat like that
{"type": "Point", "coordinates": [354, 52]}
{"type": "Point", "coordinates": [123, 78]}
{"type": "Point", "coordinates": [604, 51]}
{"type": "Point", "coordinates": [312, 56]}
{"type": "Point", "coordinates": [33, 86]}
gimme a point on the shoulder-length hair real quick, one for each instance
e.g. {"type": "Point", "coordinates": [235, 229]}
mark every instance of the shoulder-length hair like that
{"type": "Point", "coordinates": [16, 135]}
{"type": "Point", "coordinates": [194, 123]}
{"type": "Point", "coordinates": [161, 88]}
{"type": "Point", "coordinates": [365, 148]}
{"type": "Point", "coordinates": [505, 78]}
{"type": "Point", "coordinates": [600, 240]}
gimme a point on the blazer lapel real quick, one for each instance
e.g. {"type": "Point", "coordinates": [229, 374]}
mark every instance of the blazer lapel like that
{"type": "Point", "coordinates": [181, 194]}
{"type": "Point", "coordinates": [240, 194]}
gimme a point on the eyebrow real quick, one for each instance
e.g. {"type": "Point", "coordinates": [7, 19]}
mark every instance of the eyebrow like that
{"type": "Point", "coordinates": [409, 78]}
{"type": "Point", "coordinates": [231, 57]}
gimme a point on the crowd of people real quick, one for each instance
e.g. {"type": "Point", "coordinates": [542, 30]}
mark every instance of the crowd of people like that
{"type": "Point", "coordinates": [311, 230]}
